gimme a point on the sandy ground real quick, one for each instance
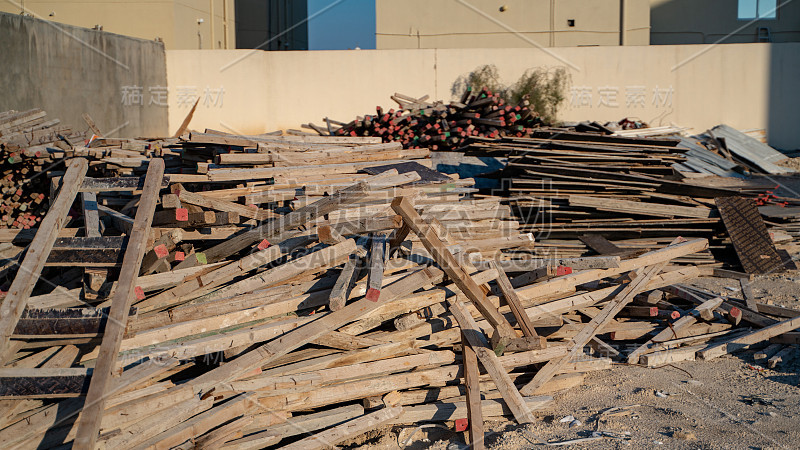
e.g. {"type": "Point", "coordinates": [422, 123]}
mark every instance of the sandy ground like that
{"type": "Point", "coordinates": [729, 402]}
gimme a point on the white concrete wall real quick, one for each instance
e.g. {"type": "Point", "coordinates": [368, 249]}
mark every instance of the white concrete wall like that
{"type": "Point", "coordinates": [697, 86]}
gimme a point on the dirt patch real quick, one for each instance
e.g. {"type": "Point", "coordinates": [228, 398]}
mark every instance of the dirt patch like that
{"type": "Point", "coordinates": [720, 404]}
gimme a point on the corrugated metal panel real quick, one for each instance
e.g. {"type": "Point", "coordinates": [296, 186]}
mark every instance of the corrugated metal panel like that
{"type": "Point", "coordinates": [750, 150]}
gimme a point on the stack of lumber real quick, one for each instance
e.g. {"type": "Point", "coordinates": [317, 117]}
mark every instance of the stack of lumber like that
{"type": "Point", "coordinates": [24, 140]}
{"type": "Point", "coordinates": [575, 190]}
{"type": "Point", "coordinates": [437, 125]}
{"type": "Point", "coordinates": [322, 319]}
{"type": "Point", "coordinates": [33, 130]}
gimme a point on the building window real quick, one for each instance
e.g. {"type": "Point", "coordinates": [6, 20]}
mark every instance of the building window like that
{"type": "Point", "coordinates": [758, 9]}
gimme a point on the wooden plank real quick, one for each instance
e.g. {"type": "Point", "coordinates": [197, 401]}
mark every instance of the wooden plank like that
{"type": "Point", "coordinates": [344, 284]}
{"type": "Point", "coordinates": [185, 124]}
{"type": "Point", "coordinates": [747, 293]}
{"type": "Point", "coordinates": [116, 184]}
{"type": "Point", "coordinates": [61, 323]}
{"type": "Point", "coordinates": [525, 265]}
{"type": "Point", "coordinates": [31, 267]}
{"type": "Point", "coordinates": [567, 283]}
{"type": "Point", "coordinates": [120, 306]}
{"type": "Point", "coordinates": [491, 363]}
{"type": "Point", "coordinates": [473, 394]}
{"type": "Point", "coordinates": [600, 244]}
{"type": "Point", "coordinates": [640, 208]}
{"type": "Point", "coordinates": [376, 265]}
{"type": "Point", "coordinates": [515, 304]}
{"type": "Point", "coordinates": [430, 239]}
{"type": "Point", "coordinates": [349, 429]}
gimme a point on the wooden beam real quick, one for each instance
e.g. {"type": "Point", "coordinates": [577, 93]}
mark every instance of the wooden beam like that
{"type": "Point", "coordinates": [31, 267]}
{"type": "Point", "coordinates": [491, 363]}
{"type": "Point", "coordinates": [450, 410]}
{"type": "Point", "coordinates": [92, 126]}
{"type": "Point", "coordinates": [515, 304]}
{"type": "Point", "coordinates": [473, 392]}
{"type": "Point", "coordinates": [93, 278]}
{"type": "Point", "coordinates": [430, 239]}
{"type": "Point", "coordinates": [376, 265]}
{"type": "Point", "coordinates": [344, 284]}
{"type": "Point", "coordinates": [120, 306]}
{"type": "Point", "coordinates": [201, 200]}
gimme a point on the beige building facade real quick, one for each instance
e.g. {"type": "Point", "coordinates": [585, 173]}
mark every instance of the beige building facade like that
{"type": "Point", "coordinates": [180, 24]}
{"type": "Point", "coordinates": [510, 23]}
{"type": "Point", "coordinates": [724, 21]}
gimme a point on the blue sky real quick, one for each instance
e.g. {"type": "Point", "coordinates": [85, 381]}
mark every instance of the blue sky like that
{"type": "Point", "coordinates": [347, 24]}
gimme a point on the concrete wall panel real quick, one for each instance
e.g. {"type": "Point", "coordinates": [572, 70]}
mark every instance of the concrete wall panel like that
{"type": "Point", "coordinates": [68, 70]}
{"type": "Point", "coordinates": [698, 86]}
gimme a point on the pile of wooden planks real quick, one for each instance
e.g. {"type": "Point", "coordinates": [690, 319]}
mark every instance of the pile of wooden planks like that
{"type": "Point", "coordinates": [30, 144]}
{"type": "Point", "coordinates": [296, 291]}
{"type": "Point", "coordinates": [576, 191]}
{"type": "Point", "coordinates": [307, 324]}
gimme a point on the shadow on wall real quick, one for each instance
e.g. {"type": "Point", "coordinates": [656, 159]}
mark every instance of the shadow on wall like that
{"type": "Point", "coordinates": [783, 112]}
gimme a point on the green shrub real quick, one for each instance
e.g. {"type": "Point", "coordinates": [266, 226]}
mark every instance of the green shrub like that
{"type": "Point", "coordinates": [545, 88]}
